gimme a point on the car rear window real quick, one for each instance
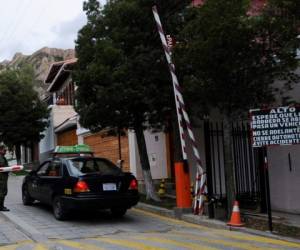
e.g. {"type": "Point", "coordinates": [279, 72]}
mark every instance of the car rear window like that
{"type": "Point", "coordinates": [80, 166]}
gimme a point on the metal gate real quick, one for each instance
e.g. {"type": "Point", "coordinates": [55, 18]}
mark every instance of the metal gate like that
{"type": "Point", "coordinates": [246, 163]}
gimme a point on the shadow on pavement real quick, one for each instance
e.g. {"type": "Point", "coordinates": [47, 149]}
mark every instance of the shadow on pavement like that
{"type": "Point", "coordinates": [94, 216]}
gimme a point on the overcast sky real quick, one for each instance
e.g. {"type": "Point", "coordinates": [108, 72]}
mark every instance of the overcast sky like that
{"type": "Point", "coordinates": [28, 25]}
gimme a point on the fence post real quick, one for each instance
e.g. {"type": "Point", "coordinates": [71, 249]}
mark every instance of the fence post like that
{"type": "Point", "coordinates": [211, 212]}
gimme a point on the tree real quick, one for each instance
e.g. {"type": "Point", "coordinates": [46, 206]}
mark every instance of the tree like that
{"type": "Point", "coordinates": [121, 74]}
{"type": "Point", "coordinates": [23, 116]}
{"type": "Point", "coordinates": [228, 60]}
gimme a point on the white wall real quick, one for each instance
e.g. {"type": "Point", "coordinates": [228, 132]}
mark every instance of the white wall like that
{"type": "Point", "coordinates": [81, 132]}
{"type": "Point", "coordinates": [61, 113]}
{"type": "Point", "coordinates": [285, 178]}
{"type": "Point", "coordinates": [58, 115]}
{"type": "Point", "coordinates": [157, 153]}
{"type": "Point", "coordinates": [156, 148]}
{"type": "Point", "coordinates": [47, 143]}
{"type": "Point", "coordinates": [285, 183]}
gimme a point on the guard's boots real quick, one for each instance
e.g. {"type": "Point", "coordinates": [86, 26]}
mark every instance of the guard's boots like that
{"type": "Point", "coordinates": [2, 207]}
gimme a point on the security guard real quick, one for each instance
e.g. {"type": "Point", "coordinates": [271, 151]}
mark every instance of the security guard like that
{"type": "Point", "coordinates": [3, 178]}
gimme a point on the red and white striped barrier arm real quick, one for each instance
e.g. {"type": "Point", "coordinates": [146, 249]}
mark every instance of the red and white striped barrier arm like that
{"type": "Point", "coordinates": [200, 187]}
{"type": "Point", "coordinates": [13, 168]}
{"type": "Point", "coordinates": [174, 78]}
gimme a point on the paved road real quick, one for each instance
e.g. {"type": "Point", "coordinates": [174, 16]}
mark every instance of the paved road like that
{"type": "Point", "coordinates": [37, 229]}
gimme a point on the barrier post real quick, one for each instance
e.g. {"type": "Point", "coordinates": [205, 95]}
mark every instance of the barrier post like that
{"type": "Point", "coordinates": [182, 178]}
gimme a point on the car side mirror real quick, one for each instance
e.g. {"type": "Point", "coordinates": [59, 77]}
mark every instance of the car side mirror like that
{"type": "Point", "coordinates": [33, 172]}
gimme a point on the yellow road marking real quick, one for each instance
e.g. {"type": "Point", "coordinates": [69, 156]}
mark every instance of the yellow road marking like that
{"type": "Point", "coordinates": [175, 221]}
{"type": "Point", "coordinates": [233, 235]}
{"type": "Point", "coordinates": [14, 246]}
{"type": "Point", "coordinates": [260, 239]}
{"type": "Point", "coordinates": [227, 243]}
{"type": "Point", "coordinates": [22, 242]}
{"type": "Point", "coordinates": [78, 245]}
{"type": "Point", "coordinates": [10, 247]}
{"type": "Point", "coordinates": [129, 244]}
{"type": "Point", "coordinates": [40, 247]}
{"type": "Point", "coordinates": [187, 245]}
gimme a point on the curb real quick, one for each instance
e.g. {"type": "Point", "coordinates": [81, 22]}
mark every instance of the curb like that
{"type": "Point", "coordinates": [211, 223]}
{"type": "Point", "coordinates": [26, 229]}
{"type": "Point", "coordinates": [157, 210]}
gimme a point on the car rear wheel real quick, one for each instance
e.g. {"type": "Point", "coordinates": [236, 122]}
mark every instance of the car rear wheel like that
{"type": "Point", "coordinates": [26, 198]}
{"type": "Point", "coordinates": [58, 211]}
{"type": "Point", "coordinates": [118, 212]}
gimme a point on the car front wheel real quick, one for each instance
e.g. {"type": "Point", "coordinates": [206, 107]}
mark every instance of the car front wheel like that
{"type": "Point", "coordinates": [118, 212]}
{"type": "Point", "coordinates": [59, 212]}
{"type": "Point", "coordinates": [26, 198]}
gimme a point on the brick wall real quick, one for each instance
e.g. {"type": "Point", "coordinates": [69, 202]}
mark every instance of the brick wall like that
{"type": "Point", "coordinates": [108, 147]}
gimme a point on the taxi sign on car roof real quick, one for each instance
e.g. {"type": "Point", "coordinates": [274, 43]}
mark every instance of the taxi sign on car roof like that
{"type": "Point", "coordinates": [76, 149]}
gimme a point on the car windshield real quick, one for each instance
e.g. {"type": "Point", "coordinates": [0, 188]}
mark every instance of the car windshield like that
{"type": "Point", "coordinates": [81, 166]}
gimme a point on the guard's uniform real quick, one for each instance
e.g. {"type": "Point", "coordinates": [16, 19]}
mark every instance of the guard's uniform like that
{"type": "Point", "coordinates": [3, 181]}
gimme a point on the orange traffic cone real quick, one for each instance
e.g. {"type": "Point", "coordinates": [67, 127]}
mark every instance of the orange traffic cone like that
{"type": "Point", "coordinates": [235, 219]}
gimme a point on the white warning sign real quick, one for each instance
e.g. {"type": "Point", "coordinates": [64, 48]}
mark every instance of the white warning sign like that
{"type": "Point", "coordinates": [276, 126]}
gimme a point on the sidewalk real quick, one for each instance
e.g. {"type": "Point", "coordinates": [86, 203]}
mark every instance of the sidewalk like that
{"type": "Point", "coordinates": [289, 219]}
{"type": "Point", "coordinates": [281, 222]}
{"type": "Point", "coordinates": [9, 234]}
{"type": "Point", "coordinates": [284, 224]}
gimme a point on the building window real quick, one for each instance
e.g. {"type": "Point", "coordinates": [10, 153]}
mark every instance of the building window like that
{"type": "Point", "coordinates": [66, 96]}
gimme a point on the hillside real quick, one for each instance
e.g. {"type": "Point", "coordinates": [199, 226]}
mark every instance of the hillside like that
{"type": "Point", "coordinates": [40, 61]}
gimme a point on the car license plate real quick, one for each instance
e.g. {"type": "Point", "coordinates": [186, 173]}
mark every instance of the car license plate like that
{"type": "Point", "coordinates": [109, 187]}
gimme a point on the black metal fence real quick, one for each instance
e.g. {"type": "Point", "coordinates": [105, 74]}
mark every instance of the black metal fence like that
{"type": "Point", "coordinates": [214, 149]}
{"type": "Point", "coordinates": [246, 162]}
